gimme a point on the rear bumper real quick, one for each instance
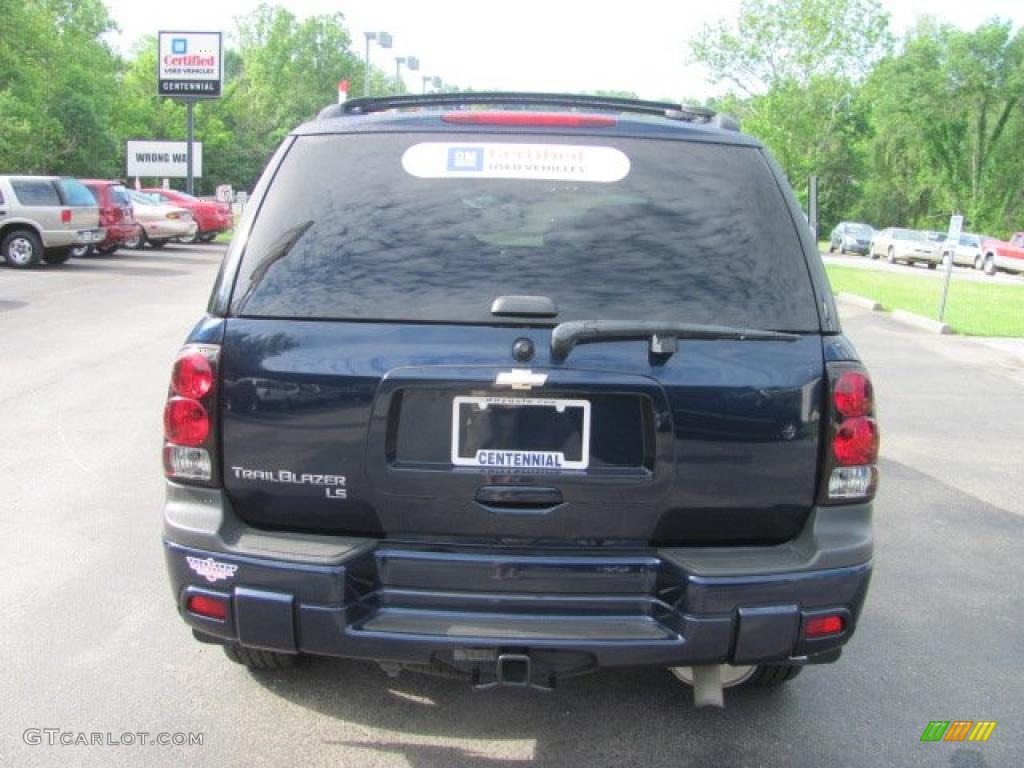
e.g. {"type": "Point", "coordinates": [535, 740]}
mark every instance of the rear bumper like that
{"type": "Point", "coordinates": [67, 238]}
{"type": "Point", "coordinates": [570, 611]}
{"type": "Point", "coordinates": [119, 233]}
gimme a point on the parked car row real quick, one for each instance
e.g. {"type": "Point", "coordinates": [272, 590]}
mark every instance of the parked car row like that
{"type": "Point", "coordinates": [899, 244]}
{"type": "Point", "coordinates": [52, 218]}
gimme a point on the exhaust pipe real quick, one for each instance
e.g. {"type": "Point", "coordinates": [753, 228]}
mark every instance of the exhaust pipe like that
{"type": "Point", "coordinates": [707, 686]}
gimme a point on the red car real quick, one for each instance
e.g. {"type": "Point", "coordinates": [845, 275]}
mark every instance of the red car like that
{"type": "Point", "coordinates": [116, 215]}
{"type": "Point", "coordinates": [1007, 255]}
{"type": "Point", "coordinates": [211, 217]}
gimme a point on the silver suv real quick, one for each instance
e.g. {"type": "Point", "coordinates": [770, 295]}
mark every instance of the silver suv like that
{"type": "Point", "coordinates": [43, 217]}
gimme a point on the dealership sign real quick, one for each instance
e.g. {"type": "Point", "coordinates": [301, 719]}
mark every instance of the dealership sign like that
{"type": "Point", "coordinates": [162, 159]}
{"type": "Point", "coordinates": [190, 65]}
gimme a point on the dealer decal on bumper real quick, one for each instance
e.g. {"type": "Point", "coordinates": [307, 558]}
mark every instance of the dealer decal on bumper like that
{"type": "Point", "coordinates": [210, 569]}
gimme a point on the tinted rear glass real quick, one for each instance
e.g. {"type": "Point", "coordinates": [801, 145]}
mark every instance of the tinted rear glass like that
{"type": "Point", "coordinates": [120, 196]}
{"type": "Point", "coordinates": [76, 193]}
{"type": "Point", "coordinates": [692, 232]}
{"type": "Point", "coordinates": [36, 192]}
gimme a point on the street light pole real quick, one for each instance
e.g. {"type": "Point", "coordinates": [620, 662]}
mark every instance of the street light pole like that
{"type": "Point", "coordinates": [366, 64]}
{"type": "Point", "coordinates": [399, 61]}
{"type": "Point", "coordinates": [384, 41]}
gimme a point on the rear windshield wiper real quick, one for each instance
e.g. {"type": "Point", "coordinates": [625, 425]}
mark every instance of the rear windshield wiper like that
{"type": "Point", "coordinates": [664, 334]}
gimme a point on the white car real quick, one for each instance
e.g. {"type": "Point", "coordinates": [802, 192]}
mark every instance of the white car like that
{"type": "Point", "coordinates": [909, 245]}
{"type": "Point", "coordinates": [968, 252]}
{"type": "Point", "coordinates": [160, 222]}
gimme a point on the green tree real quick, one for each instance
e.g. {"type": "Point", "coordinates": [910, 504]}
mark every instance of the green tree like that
{"type": "Point", "coordinates": [946, 124]}
{"type": "Point", "coordinates": [792, 68]}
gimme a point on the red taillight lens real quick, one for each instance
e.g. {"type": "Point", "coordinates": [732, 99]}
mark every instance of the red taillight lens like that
{"type": "Point", "coordinates": [65, 216]}
{"type": "Point", "coordinates": [186, 422]}
{"type": "Point", "coordinates": [856, 442]}
{"type": "Point", "coordinates": [819, 626]}
{"type": "Point", "coordinates": [210, 607]}
{"type": "Point", "coordinates": [529, 118]}
{"type": "Point", "coordinates": [192, 376]}
{"type": "Point", "coordinates": [852, 394]}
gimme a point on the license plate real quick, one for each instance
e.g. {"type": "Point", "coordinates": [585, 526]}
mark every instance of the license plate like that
{"type": "Point", "coordinates": [510, 433]}
{"type": "Point", "coordinates": [90, 236]}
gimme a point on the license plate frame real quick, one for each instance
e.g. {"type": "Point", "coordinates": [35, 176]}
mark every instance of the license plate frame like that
{"type": "Point", "coordinates": [529, 459]}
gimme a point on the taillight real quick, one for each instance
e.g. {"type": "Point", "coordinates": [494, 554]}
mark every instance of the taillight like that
{"type": "Point", "coordinates": [65, 216]}
{"type": "Point", "coordinates": [850, 473]}
{"type": "Point", "coordinates": [822, 626]}
{"type": "Point", "coordinates": [208, 606]}
{"type": "Point", "coordinates": [554, 119]}
{"type": "Point", "coordinates": [190, 415]}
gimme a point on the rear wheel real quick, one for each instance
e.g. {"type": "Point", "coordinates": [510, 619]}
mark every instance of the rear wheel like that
{"type": "Point", "coordinates": [255, 658]}
{"type": "Point", "coordinates": [891, 255]}
{"type": "Point", "coordinates": [57, 255]}
{"type": "Point", "coordinates": [81, 250]}
{"type": "Point", "coordinates": [158, 244]}
{"type": "Point", "coordinates": [189, 239]}
{"type": "Point", "coordinates": [978, 262]}
{"type": "Point", "coordinates": [107, 249]}
{"type": "Point", "coordinates": [755, 676]}
{"type": "Point", "coordinates": [207, 237]}
{"type": "Point", "coordinates": [21, 249]}
{"type": "Point", "coordinates": [932, 265]}
{"type": "Point", "coordinates": [990, 265]}
{"type": "Point", "coordinates": [137, 240]}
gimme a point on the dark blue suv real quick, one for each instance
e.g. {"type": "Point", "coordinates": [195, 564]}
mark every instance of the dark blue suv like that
{"type": "Point", "coordinates": [515, 386]}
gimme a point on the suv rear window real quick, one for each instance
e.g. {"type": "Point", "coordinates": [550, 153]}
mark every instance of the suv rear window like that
{"type": "Point", "coordinates": [695, 232]}
{"type": "Point", "coordinates": [120, 196]}
{"type": "Point", "coordinates": [76, 193]}
{"type": "Point", "coordinates": [35, 193]}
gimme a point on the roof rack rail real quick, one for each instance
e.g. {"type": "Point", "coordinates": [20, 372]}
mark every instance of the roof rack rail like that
{"type": "Point", "coordinates": [369, 104]}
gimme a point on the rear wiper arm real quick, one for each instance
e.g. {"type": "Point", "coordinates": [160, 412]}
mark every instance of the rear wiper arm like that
{"type": "Point", "coordinates": [664, 334]}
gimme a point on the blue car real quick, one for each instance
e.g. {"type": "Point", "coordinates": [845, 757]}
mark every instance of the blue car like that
{"type": "Point", "coordinates": [512, 387]}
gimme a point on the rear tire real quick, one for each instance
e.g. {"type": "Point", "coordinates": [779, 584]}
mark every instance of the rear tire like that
{"type": "Point", "coordinates": [255, 658]}
{"type": "Point", "coordinates": [57, 255]}
{"type": "Point", "coordinates": [990, 265]}
{"type": "Point", "coordinates": [932, 265]}
{"type": "Point", "coordinates": [137, 240]}
{"type": "Point", "coordinates": [772, 675]}
{"type": "Point", "coordinates": [978, 263]}
{"type": "Point", "coordinates": [207, 238]}
{"type": "Point", "coordinates": [758, 676]}
{"type": "Point", "coordinates": [22, 249]}
{"type": "Point", "coordinates": [80, 251]}
{"type": "Point", "coordinates": [157, 244]}
{"type": "Point", "coordinates": [107, 250]}
{"type": "Point", "coordinates": [891, 255]}
{"type": "Point", "coordinates": [190, 239]}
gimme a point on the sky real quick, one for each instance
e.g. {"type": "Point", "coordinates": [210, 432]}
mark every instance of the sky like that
{"type": "Point", "coordinates": [528, 45]}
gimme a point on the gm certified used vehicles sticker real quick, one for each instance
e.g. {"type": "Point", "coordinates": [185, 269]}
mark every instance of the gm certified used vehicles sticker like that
{"type": "Point", "coordinates": [556, 162]}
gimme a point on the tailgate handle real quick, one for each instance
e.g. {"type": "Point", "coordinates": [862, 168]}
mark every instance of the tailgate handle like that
{"type": "Point", "coordinates": [526, 498]}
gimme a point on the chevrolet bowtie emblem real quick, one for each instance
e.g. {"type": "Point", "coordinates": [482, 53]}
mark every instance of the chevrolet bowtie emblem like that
{"type": "Point", "coordinates": [521, 379]}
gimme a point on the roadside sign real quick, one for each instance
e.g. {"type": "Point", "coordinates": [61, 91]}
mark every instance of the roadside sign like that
{"type": "Point", "coordinates": [162, 159]}
{"type": "Point", "coordinates": [190, 65]}
{"type": "Point", "coordinates": [956, 225]}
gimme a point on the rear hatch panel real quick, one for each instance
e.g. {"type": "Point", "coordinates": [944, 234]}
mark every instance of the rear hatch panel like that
{"type": "Point", "coordinates": [717, 444]}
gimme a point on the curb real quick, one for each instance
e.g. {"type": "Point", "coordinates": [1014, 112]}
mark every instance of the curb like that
{"type": "Point", "coordinates": [919, 322]}
{"type": "Point", "coordinates": [859, 301]}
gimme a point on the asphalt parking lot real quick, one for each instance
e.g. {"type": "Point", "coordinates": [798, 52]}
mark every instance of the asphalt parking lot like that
{"type": "Point", "coordinates": [93, 644]}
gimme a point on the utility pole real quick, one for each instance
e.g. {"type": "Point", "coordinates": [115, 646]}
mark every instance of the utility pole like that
{"type": "Point", "coordinates": [190, 129]}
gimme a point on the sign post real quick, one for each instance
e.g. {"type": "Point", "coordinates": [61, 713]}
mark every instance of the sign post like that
{"type": "Point", "coordinates": [190, 66]}
{"type": "Point", "coordinates": [956, 225]}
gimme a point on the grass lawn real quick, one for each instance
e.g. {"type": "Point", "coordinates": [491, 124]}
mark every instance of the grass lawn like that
{"type": "Point", "coordinates": [224, 237]}
{"type": "Point", "coordinates": [973, 308]}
